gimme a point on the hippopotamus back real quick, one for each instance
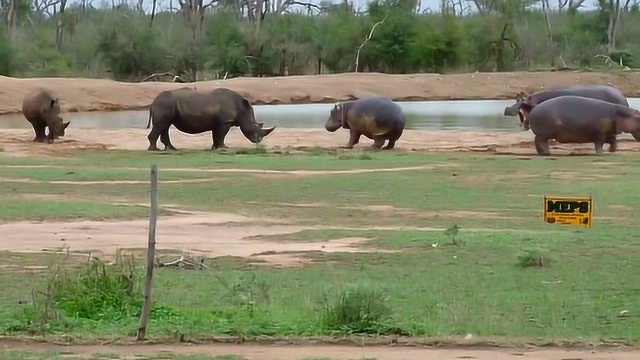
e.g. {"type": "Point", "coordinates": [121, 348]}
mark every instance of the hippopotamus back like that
{"type": "Point", "coordinates": [375, 115]}
{"type": "Point", "coordinates": [574, 118]}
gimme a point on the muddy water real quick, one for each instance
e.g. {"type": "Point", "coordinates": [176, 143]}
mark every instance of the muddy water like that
{"type": "Point", "coordinates": [431, 115]}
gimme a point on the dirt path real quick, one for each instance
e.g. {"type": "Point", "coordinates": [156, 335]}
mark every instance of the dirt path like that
{"type": "Point", "coordinates": [18, 141]}
{"type": "Point", "coordinates": [262, 352]}
{"type": "Point", "coordinates": [79, 94]}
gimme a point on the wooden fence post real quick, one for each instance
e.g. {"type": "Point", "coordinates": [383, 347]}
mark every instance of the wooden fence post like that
{"type": "Point", "coordinates": [151, 252]}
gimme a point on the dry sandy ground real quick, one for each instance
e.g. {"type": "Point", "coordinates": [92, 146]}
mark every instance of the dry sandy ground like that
{"type": "Point", "coordinates": [79, 94]}
{"type": "Point", "coordinates": [262, 352]}
{"type": "Point", "coordinates": [18, 141]}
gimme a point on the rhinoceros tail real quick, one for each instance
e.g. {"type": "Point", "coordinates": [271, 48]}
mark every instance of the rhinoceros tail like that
{"type": "Point", "coordinates": [149, 121]}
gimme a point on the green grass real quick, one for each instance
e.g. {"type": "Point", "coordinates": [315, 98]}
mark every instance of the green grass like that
{"type": "Point", "coordinates": [33, 355]}
{"type": "Point", "coordinates": [508, 274]}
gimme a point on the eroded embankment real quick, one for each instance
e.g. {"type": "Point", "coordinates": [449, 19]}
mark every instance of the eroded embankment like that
{"type": "Point", "coordinates": [79, 94]}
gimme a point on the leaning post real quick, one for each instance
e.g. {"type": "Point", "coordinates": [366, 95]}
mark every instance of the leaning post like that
{"type": "Point", "coordinates": [151, 251]}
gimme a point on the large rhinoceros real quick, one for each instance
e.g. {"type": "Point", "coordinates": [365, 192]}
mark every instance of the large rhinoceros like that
{"type": "Point", "coordinates": [193, 112]}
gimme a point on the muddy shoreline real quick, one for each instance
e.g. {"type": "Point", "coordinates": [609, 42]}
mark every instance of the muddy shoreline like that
{"type": "Point", "coordinates": [80, 94]}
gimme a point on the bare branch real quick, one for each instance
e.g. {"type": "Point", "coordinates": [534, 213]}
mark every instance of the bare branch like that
{"type": "Point", "coordinates": [373, 28]}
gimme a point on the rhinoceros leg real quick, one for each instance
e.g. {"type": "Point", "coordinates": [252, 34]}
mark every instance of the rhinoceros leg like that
{"type": "Point", "coordinates": [153, 138]}
{"type": "Point", "coordinates": [40, 133]}
{"type": "Point", "coordinates": [166, 140]}
{"type": "Point", "coordinates": [218, 135]}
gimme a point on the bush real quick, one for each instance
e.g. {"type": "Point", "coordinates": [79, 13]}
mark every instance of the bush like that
{"type": "Point", "coordinates": [356, 310]}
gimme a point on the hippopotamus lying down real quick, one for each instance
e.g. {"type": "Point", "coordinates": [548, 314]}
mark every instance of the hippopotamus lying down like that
{"type": "Point", "coordinates": [524, 104]}
{"type": "Point", "coordinates": [376, 117]}
{"type": "Point", "coordinates": [576, 119]}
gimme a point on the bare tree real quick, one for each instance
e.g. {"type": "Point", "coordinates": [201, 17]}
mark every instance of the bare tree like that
{"type": "Point", "coordinates": [60, 24]}
{"type": "Point", "coordinates": [614, 9]}
{"type": "Point", "coordinates": [194, 11]}
{"type": "Point", "coordinates": [570, 4]}
{"type": "Point", "coordinates": [373, 28]}
{"type": "Point", "coordinates": [153, 12]}
{"type": "Point", "coordinates": [8, 8]}
{"type": "Point", "coordinates": [545, 11]}
{"type": "Point", "coordinates": [484, 6]}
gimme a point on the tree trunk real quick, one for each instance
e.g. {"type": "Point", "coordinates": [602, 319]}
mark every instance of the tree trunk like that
{"type": "Point", "coordinates": [60, 24]}
{"type": "Point", "coordinates": [545, 11]}
{"type": "Point", "coordinates": [153, 13]}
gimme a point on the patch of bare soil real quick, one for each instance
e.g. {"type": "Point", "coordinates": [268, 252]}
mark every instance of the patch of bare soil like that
{"type": "Point", "coordinates": [332, 352]}
{"type": "Point", "coordinates": [390, 209]}
{"type": "Point", "coordinates": [77, 94]}
{"type": "Point", "coordinates": [18, 142]}
{"type": "Point", "coordinates": [202, 234]}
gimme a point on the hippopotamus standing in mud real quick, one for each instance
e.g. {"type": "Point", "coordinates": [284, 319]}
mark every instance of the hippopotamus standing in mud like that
{"type": "Point", "coordinates": [524, 104]}
{"type": "Point", "coordinates": [376, 117]}
{"type": "Point", "coordinates": [577, 119]}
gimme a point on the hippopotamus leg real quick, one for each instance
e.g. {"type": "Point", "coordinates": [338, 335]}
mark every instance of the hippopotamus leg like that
{"type": "Point", "coordinates": [390, 144]}
{"type": "Point", "coordinates": [354, 138]}
{"type": "Point", "coordinates": [378, 141]}
{"type": "Point", "coordinates": [598, 144]}
{"type": "Point", "coordinates": [542, 145]}
{"type": "Point", "coordinates": [612, 141]}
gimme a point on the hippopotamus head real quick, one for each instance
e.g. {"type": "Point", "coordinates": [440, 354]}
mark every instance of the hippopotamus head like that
{"type": "Point", "coordinates": [627, 120]}
{"type": "Point", "coordinates": [524, 104]}
{"type": "Point", "coordinates": [337, 118]}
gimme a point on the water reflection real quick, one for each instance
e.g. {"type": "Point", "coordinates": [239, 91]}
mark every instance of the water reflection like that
{"type": "Point", "coordinates": [462, 114]}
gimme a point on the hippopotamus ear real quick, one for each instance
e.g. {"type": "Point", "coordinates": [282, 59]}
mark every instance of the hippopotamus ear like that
{"type": "Point", "coordinates": [529, 100]}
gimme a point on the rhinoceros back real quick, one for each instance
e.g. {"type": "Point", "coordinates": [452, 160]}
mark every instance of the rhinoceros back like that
{"type": "Point", "coordinates": [196, 105]}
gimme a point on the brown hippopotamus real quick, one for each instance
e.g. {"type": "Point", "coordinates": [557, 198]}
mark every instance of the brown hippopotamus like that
{"type": "Point", "coordinates": [376, 117]}
{"type": "Point", "coordinates": [524, 104]}
{"type": "Point", "coordinates": [42, 110]}
{"type": "Point", "coordinates": [577, 119]}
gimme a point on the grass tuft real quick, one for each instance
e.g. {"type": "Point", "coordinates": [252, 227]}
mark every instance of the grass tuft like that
{"type": "Point", "coordinates": [356, 310]}
{"type": "Point", "coordinates": [259, 149]}
{"type": "Point", "coordinates": [533, 258]}
{"type": "Point", "coordinates": [97, 291]}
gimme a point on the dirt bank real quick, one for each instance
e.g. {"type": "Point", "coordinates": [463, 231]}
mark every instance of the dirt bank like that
{"type": "Point", "coordinates": [17, 142]}
{"type": "Point", "coordinates": [261, 352]}
{"type": "Point", "coordinates": [106, 95]}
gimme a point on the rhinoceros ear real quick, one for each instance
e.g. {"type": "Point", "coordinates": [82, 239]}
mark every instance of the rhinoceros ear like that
{"type": "Point", "coordinates": [246, 103]}
{"type": "Point", "coordinates": [53, 102]}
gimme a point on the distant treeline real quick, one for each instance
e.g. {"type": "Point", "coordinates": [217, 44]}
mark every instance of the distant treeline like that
{"type": "Point", "coordinates": [231, 38]}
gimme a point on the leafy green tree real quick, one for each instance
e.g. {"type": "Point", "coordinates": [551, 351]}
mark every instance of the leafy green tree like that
{"type": "Point", "coordinates": [128, 50]}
